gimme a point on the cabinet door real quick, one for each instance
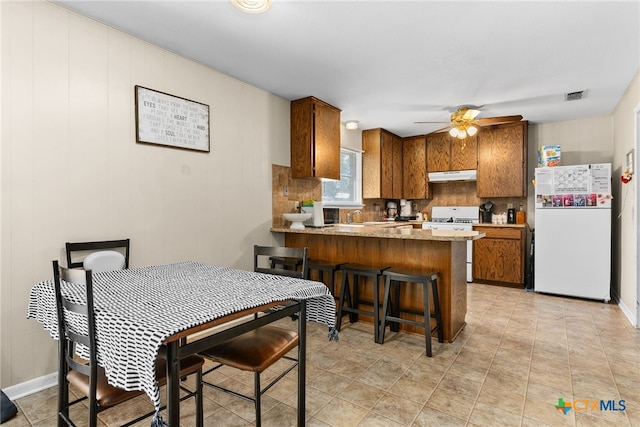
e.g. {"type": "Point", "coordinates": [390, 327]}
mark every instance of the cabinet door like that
{"type": "Point", "coordinates": [464, 153]}
{"type": "Point", "coordinates": [438, 152]}
{"type": "Point", "coordinates": [397, 169]}
{"type": "Point", "coordinates": [414, 176]}
{"type": "Point", "coordinates": [386, 165]}
{"type": "Point", "coordinates": [502, 161]}
{"type": "Point", "coordinates": [302, 138]}
{"type": "Point", "coordinates": [327, 141]}
{"type": "Point", "coordinates": [315, 139]}
{"type": "Point", "coordinates": [371, 164]}
{"type": "Point", "coordinates": [381, 165]}
{"type": "Point", "coordinates": [498, 260]}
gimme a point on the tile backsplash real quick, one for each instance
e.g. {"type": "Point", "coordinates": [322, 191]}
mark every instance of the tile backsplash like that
{"type": "Point", "coordinates": [450, 194]}
{"type": "Point", "coordinates": [443, 194]}
{"type": "Point", "coordinates": [298, 189]}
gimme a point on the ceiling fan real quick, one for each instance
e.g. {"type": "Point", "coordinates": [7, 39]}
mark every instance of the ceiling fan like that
{"type": "Point", "coordinates": [464, 122]}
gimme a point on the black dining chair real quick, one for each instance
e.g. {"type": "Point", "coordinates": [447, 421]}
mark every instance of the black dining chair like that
{"type": "Point", "coordinates": [257, 350]}
{"type": "Point", "coordinates": [87, 377]}
{"type": "Point", "coordinates": [98, 256]}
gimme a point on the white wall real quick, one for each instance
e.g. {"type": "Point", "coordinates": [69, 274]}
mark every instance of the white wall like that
{"type": "Point", "coordinates": [71, 169]}
{"type": "Point", "coordinates": [594, 140]}
{"type": "Point", "coordinates": [624, 256]}
{"type": "Point", "coordinates": [582, 141]}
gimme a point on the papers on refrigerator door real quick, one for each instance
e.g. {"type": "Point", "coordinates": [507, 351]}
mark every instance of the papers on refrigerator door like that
{"type": "Point", "coordinates": [601, 178]}
{"type": "Point", "coordinates": [574, 186]}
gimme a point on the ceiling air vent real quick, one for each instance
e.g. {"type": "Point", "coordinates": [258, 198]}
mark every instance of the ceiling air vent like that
{"type": "Point", "coordinates": [574, 96]}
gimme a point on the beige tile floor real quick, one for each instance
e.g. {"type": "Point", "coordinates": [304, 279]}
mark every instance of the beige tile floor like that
{"type": "Point", "coordinates": [519, 353]}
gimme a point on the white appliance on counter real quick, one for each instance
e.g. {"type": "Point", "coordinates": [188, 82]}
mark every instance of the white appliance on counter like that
{"type": "Point", "coordinates": [317, 214]}
{"type": "Point", "coordinates": [573, 231]}
{"type": "Point", "coordinates": [455, 218]}
{"type": "Point", "coordinates": [405, 207]}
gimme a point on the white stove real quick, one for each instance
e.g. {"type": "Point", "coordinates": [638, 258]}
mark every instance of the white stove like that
{"type": "Point", "coordinates": [455, 218]}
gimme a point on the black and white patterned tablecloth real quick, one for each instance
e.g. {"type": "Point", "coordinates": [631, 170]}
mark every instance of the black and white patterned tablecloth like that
{"type": "Point", "coordinates": [137, 309]}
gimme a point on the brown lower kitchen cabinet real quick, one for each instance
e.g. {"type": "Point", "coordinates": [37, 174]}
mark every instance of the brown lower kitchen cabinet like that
{"type": "Point", "coordinates": [500, 258]}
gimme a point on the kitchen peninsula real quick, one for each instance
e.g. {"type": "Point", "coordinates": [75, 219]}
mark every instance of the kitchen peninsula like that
{"type": "Point", "coordinates": [398, 247]}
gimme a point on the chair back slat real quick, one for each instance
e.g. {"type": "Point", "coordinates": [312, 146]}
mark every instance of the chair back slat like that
{"type": "Point", "coordinates": [75, 308]}
{"type": "Point", "coordinates": [74, 247]}
{"type": "Point", "coordinates": [78, 366]}
{"type": "Point", "coordinates": [264, 252]}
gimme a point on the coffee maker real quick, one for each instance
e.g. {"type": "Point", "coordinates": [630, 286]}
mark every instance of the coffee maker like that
{"type": "Point", "coordinates": [486, 210]}
{"type": "Point", "coordinates": [392, 210]}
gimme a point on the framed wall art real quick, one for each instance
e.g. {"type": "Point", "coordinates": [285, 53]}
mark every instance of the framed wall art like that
{"type": "Point", "coordinates": [169, 120]}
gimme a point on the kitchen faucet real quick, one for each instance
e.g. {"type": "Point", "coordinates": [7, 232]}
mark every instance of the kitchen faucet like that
{"type": "Point", "coordinates": [355, 216]}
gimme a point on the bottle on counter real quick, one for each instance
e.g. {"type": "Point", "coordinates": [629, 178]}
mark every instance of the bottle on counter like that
{"type": "Point", "coordinates": [377, 213]}
{"type": "Point", "coordinates": [521, 215]}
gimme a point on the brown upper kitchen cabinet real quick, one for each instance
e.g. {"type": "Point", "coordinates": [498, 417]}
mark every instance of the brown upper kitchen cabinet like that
{"type": "Point", "coordinates": [381, 165]}
{"type": "Point", "coordinates": [414, 167]}
{"type": "Point", "coordinates": [446, 153]}
{"type": "Point", "coordinates": [315, 139]}
{"type": "Point", "coordinates": [502, 160]}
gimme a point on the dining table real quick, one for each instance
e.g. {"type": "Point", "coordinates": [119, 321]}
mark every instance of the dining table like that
{"type": "Point", "coordinates": [148, 312]}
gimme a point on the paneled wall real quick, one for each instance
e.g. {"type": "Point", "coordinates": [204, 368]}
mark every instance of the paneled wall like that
{"type": "Point", "coordinates": [71, 169]}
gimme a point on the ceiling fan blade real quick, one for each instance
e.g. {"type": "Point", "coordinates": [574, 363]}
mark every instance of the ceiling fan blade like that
{"type": "Point", "coordinates": [470, 114]}
{"type": "Point", "coordinates": [440, 130]}
{"type": "Point", "coordinates": [497, 120]}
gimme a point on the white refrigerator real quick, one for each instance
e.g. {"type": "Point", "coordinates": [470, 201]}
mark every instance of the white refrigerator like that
{"type": "Point", "coordinates": [573, 231]}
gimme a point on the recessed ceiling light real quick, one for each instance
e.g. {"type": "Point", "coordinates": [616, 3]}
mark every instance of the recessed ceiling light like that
{"type": "Point", "coordinates": [252, 6]}
{"type": "Point", "coordinates": [351, 124]}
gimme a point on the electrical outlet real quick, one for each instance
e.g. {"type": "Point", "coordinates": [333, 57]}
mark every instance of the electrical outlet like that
{"type": "Point", "coordinates": [285, 190]}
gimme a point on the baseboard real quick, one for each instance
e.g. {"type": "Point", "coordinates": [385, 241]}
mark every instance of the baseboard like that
{"type": "Point", "coordinates": [32, 386]}
{"type": "Point", "coordinates": [630, 314]}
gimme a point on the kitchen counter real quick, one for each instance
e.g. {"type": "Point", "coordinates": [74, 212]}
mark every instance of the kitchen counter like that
{"type": "Point", "coordinates": [501, 225]}
{"type": "Point", "coordinates": [398, 245]}
{"type": "Point", "coordinates": [394, 230]}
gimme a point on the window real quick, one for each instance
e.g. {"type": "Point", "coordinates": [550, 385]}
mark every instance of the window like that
{"type": "Point", "coordinates": [348, 191]}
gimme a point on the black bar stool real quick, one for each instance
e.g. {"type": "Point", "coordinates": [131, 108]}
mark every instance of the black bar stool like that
{"type": "Point", "coordinates": [326, 272]}
{"type": "Point", "coordinates": [400, 277]}
{"type": "Point", "coordinates": [359, 270]}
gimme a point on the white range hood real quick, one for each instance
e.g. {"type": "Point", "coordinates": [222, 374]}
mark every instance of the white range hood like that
{"type": "Point", "coordinates": [467, 175]}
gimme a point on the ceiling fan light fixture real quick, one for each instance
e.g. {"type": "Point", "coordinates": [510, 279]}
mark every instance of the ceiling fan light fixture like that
{"type": "Point", "coordinates": [252, 6]}
{"type": "Point", "coordinates": [453, 132]}
{"type": "Point", "coordinates": [462, 134]}
{"type": "Point", "coordinates": [472, 130]}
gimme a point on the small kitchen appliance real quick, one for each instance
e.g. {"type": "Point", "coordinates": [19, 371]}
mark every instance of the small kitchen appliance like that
{"type": "Point", "coordinates": [511, 214]}
{"type": "Point", "coordinates": [392, 210]}
{"type": "Point", "coordinates": [317, 214]}
{"type": "Point", "coordinates": [405, 207]}
{"type": "Point", "coordinates": [455, 218]}
{"type": "Point", "coordinates": [487, 212]}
